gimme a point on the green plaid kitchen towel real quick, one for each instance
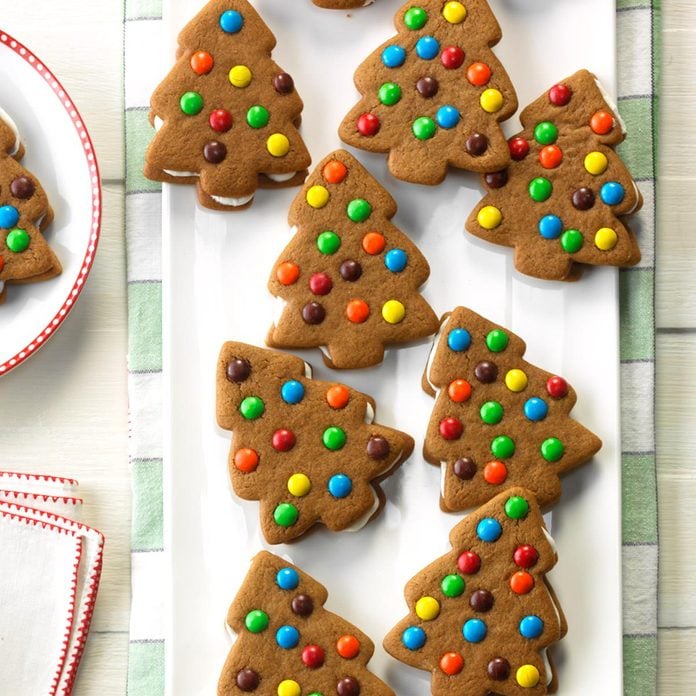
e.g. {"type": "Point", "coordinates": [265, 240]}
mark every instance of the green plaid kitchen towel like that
{"type": "Point", "coordinates": [638, 25]}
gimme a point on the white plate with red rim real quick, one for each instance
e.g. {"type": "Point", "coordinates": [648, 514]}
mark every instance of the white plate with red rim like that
{"type": "Point", "coordinates": [59, 152]}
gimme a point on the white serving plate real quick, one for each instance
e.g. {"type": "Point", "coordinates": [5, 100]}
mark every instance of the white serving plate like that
{"type": "Point", "coordinates": [215, 271]}
{"type": "Point", "coordinates": [60, 154]}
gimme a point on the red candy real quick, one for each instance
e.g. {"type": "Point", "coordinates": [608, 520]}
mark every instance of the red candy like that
{"type": "Point", "coordinates": [478, 74]}
{"type": "Point", "coordinates": [521, 582]}
{"type": "Point", "coordinates": [220, 120]}
{"type": "Point", "coordinates": [602, 122]}
{"type": "Point", "coordinates": [2, 263]}
{"type": "Point", "coordinates": [495, 473]}
{"type": "Point", "coordinates": [451, 664]}
{"type": "Point", "coordinates": [469, 563]}
{"type": "Point", "coordinates": [559, 95]}
{"type": "Point", "coordinates": [550, 156]}
{"type": "Point", "coordinates": [283, 440]}
{"type": "Point", "coordinates": [557, 387]}
{"type": "Point", "coordinates": [452, 57]}
{"type": "Point", "coordinates": [368, 124]}
{"type": "Point", "coordinates": [313, 656]}
{"type": "Point", "coordinates": [320, 284]}
{"type": "Point", "coordinates": [519, 148]}
{"type": "Point", "coordinates": [348, 647]}
{"type": "Point", "coordinates": [525, 556]}
{"type": "Point", "coordinates": [201, 62]}
{"type": "Point", "coordinates": [334, 172]}
{"type": "Point", "coordinates": [451, 428]}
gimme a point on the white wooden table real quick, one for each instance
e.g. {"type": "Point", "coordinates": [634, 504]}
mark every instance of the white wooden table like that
{"type": "Point", "coordinates": [67, 408]}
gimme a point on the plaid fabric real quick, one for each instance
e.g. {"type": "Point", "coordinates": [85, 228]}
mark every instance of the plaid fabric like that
{"type": "Point", "coordinates": [638, 24]}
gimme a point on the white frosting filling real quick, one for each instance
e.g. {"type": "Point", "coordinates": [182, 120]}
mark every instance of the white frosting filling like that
{"type": "Point", "coordinates": [431, 356]}
{"type": "Point", "coordinates": [158, 122]}
{"type": "Point", "coordinates": [280, 178]}
{"type": "Point", "coordinates": [173, 172]}
{"type": "Point", "coordinates": [278, 308]}
{"type": "Point", "coordinates": [308, 370]}
{"type": "Point", "coordinates": [2, 286]}
{"type": "Point", "coordinates": [13, 128]}
{"type": "Point", "coordinates": [233, 202]}
{"type": "Point", "coordinates": [443, 478]}
{"type": "Point", "coordinates": [369, 414]}
{"type": "Point", "coordinates": [364, 519]}
{"type": "Point", "coordinates": [612, 105]}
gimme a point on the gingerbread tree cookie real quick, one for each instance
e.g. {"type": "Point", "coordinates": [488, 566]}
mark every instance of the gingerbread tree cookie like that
{"type": "Point", "coordinates": [498, 420]}
{"type": "Point", "coordinates": [25, 256]}
{"type": "Point", "coordinates": [288, 644]}
{"type": "Point", "coordinates": [482, 616]}
{"type": "Point", "coordinates": [226, 115]}
{"type": "Point", "coordinates": [560, 202]}
{"type": "Point", "coordinates": [435, 94]}
{"type": "Point", "coordinates": [308, 450]}
{"type": "Point", "coordinates": [349, 277]}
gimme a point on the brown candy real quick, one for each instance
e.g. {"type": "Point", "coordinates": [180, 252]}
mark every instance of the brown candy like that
{"type": "Point", "coordinates": [497, 180]}
{"type": "Point", "coordinates": [476, 144]}
{"type": "Point", "coordinates": [465, 468]}
{"type": "Point", "coordinates": [348, 686]}
{"type": "Point", "coordinates": [350, 270]}
{"type": "Point", "coordinates": [313, 313]}
{"type": "Point", "coordinates": [486, 372]}
{"type": "Point", "coordinates": [215, 152]}
{"type": "Point", "coordinates": [238, 370]}
{"type": "Point", "coordinates": [22, 187]}
{"type": "Point", "coordinates": [427, 87]}
{"type": "Point", "coordinates": [481, 600]}
{"type": "Point", "coordinates": [498, 669]}
{"type": "Point", "coordinates": [302, 605]}
{"type": "Point", "coordinates": [247, 680]}
{"type": "Point", "coordinates": [377, 448]}
{"type": "Point", "coordinates": [583, 198]}
{"type": "Point", "coordinates": [283, 83]}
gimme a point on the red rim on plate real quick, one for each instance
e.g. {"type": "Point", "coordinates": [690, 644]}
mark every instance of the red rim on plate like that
{"type": "Point", "coordinates": [88, 149]}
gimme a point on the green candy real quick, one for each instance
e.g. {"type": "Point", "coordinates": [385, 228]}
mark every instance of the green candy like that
{"type": "Point", "coordinates": [552, 449]}
{"type": "Point", "coordinates": [415, 18]}
{"type": "Point", "coordinates": [258, 116]}
{"type": "Point", "coordinates": [328, 242]}
{"type": "Point", "coordinates": [252, 407]}
{"type": "Point", "coordinates": [191, 103]}
{"type": "Point", "coordinates": [503, 447]}
{"type": "Point", "coordinates": [389, 93]}
{"type": "Point", "coordinates": [334, 438]}
{"type": "Point", "coordinates": [572, 241]}
{"type": "Point", "coordinates": [497, 341]}
{"type": "Point", "coordinates": [285, 515]}
{"type": "Point", "coordinates": [452, 585]}
{"type": "Point", "coordinates": [256, 621]}
{"type": "Point", "coordinates": [17, 240]}
{"type": "Point", "coordinates": [359, 210]}
{"type": "Point", "coordinates": [424, 128]}
{"type": "Point", "coordinates": [491, 412]}
{"type": "Point", "coordinates": [545, 133]}
{"type": "Point", "coordinates": [540, 189]}
{"type": "Point", "coordinates": [516, 507]}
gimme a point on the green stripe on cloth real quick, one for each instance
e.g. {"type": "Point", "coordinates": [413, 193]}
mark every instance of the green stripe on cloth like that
{"type": "Point", "coordinates": [143, 9]}
{"type": "Point", "coordinates": [148, 515]}
{"type": "Point", "coordinates": [636, 291]}
{"type": "Point", "coordinates": [639, 499]}
{"type": "Point", "coordinates": [637, 150]}
{"type": "Point", "coordinates": [145, 327]}
{"type": "Point", "coordinates": [139, 133]}
{"type": "Point", "coordinates": [146, 668]}
{"type": "Point", "coordinates": [631, 4]}
{"type": "Point", "coordinates": [640, 658]}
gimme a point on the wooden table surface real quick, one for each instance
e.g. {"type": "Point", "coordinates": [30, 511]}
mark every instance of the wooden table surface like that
{"type": "Point", "coordinates": [66, 410]}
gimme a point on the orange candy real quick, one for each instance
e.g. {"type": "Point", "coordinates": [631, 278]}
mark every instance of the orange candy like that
{"type": "Point", "coordinates": [495, 472]}
{"type": "Point", "coordinates": [246, 460]}
{"type": "Point", "coordinates": [459, 391]}
{"type": "Point", "coordinates": [337, 396]}
{"type": "Point", "coordinates": [348, 647]}
{"type": "Point", "coordinates": [373, 243]}
{"type": "Point", "coordinates": [201, 62]}
{"type": "Point", "coordinates": [602, 122]}
{"type": "Point", "coordinates": [550, 156]}
{"type": "Point", "coordinates": [521, 582]}
{"type": "Point", "coordinates": [451, 664]}
{"type": "Point", "coordinates": [287, 273]}
{"type": "Point", "coordinates": [478, 74]}
{"type": "Point", "coordinates": [334, 172]}
{"type": "Point", "coordinates": [357, 311]}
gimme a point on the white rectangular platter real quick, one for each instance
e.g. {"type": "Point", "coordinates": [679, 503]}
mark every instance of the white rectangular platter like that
{"type": "Point", "coordinates": [215, 270]}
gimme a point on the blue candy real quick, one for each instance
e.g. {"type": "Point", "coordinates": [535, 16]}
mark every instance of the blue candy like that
{"type": "Point", "coordinates": [287, 579]}
{"type": "Point", "coordinates": [489, 529]}
{"type": "Point", "coordinates": [531, 627]}
{"type": "Point", "coordinates": [474, 630]}
{"type": "Point", "coordinates": [550, 227]}
{"type": "Point", "coordinates": [9, 216]}
{"type": "Point", "coordinates": [535, 409]}
{"type": "Point", "coordinates": [396, 260]}
{"type": "Point", "coordinates": [393, 56]}
{"type": "Point", "coordinates": [612, 193]}
{"type": "Point", "coordinates": [340, 486]}
{"type": "Point", "coordinates": [427, 47]}
{"type": "Point", "coordinates": [459, 340]}
{"type": "Point", "coordinates": [292, 392]}
{"type": "Point", "coordinates": [287, 637]}
{"type": "Point", "coordinates": [447, 116]}
{"type": "Point", "coordinates": [231, 21]}
{"type": "Point", "coordinates": [413, 638]}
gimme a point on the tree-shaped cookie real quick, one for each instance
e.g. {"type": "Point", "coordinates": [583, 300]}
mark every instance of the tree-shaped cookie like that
{"type": "Point", "coordinates": [349, 277]}
{"type": "Point", "coordinates": [435, 94]}
{"type": "Point", "coordinates": [308, 450]}
{"type": "Point", "coordinates": [25, 256]}
{"type": "Point", "coordinates": [288, 644]}
{"type": "Point", "coordinates": [481, 616]}
{"type": "Point", "coordinates": [498, 420]}
{"type": "Point", "coordinates": [560, 202]}
{"type": "Point", "coordinates": [226, 115]}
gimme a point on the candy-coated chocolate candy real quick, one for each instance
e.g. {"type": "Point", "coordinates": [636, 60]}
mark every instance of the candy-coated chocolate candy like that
{"type": "Point", "coordinates": [427, 47]}
{"type": "Point", "coordinates": [488, 530]}
{"type": "Point", "coordinates": [240, 76]}
{"type": "Point", "coordinates": [486, 372]}
{"type": "Point", "coordinates": [357, 311]}
{"type": "Point", "coordinates": [317, 196]}
{"type": "Point", "coordinates": [427, 608]}
{"type": "Point", "coordinates": [519, 148]}
{"type": "Point", "coordinates": [246, 460]}
{"type": "Point", "coordinates": [283, 83]}
{"type": "Point", "coordinates": [491, 100]}
{"type": "Point", "coordinates": [464, 468]}
{"type": "Point", "coordinates": [258, 116]}
{"type": "Point", "coordinates": [424, 128]}
{"type": "Point", "coordinates": [334, 172]}
{"type": "Point", "coordinates": [612, 193]}
{"type": "Point", "coordinates": [531, 627]}
{"type": "Point", "coordinates": [447, 117]}
{"type": "Point", "coordinates": [368, 124]}
{"type": "Point", "coordinates": [560, 95]}
{"type": "Point", "coordinates": [393, 56]}
{"type": "Point", "coordinates": [413, 638]}
{"type": "Point", "coordinates": [320, 284]}
{"type": "Point", "coordinates": [479, 74]}
{"type": "Point", "coordinates": [337, 396]}
{"type": "Point", "coordinates": [476, 144]}
{"type": "Point", "coordinates": [602, 122]}
{"type": "Point", "coordinates": [247, 680]}
{"type": "Point", "coordinates": [231, 21]}
{"type": "Point", "coordinates": [557, 387]}
{"type": "Point", "coordinates": [491, 412]}
{"type": "Point", "coordinates": [452, 57]}
{"type": "Point", "coordinates": [415, 18]}
{"type": "Point", "coordinates": [498, 669]}
{"type": "Point", "coordinates": [256, 621]}
{"type": "Point", "coordinates": [287, 273]}
{"type": "Point", "coordinates": [481, 600]}
{"type": "Point", "coordinates": [287, 579]}
{"type": "Point", "coordinates": [550, 156]}
{"type": "Point", "coordinates": [340, 485]}
{"type": "Point", "coordinates": [348, 686]}
{"type": "Point", "coordinates": [535, 409]}
{"type": "Point", "coordinates": [313, 313]}
{"type": "Point", "coordinates": [495, 473]}
{"type": "Point", "coordinates": [497, 340]}
{"type": "Point", "coordinates": [453, 585]}
{"type": "Point", "coordinates": [390, 93]}
{"type": "Point", "coordinates": [454, 12]}
{"type": "Point", "coordinates": [396, 260]}
{"type": "Point", "coordinates": [220, 120]}
{"type": "Point", "coordinates": [606, 239]}
{"type": "Point", "coordinates": [451, 664]}
{"type": "Point", "coordinates": [550, 227]}
{"type": "Point", "coordinates": [525, 556]}
{"type": "Point", "coordinates": [278, 145]}
{"type": "Point", "coordinates": [474, 630]}
{"type": "Point", "coordinates": [458, 340]}
{"type": "Point", "coordinates": [252, 407]}
{"type": "Point", "coordinates": [451, 428]}
{"type": "Point", "coordinates": [496, 180]}
{"type": "Point", "coordinates": [350, 270]}
{"type": "Point", "coordinates": [289, 687]}
{"type": "Point", "coordinates": [17, 240]}
{"type": "Point", "coordinates": [377, 448]}
{"type": "Point", "coordinates": [393, 312]}
{"type": "Point", "coordinates": [373, 243]}
{"type": "Point", "coordinates": [201, 62]}
{"type": "Point", "coordinates": [552, 449]}
{"type": "Point", "coordinates": [596, 163]}
{"type": "Point", "coordinates": [583, 198]}
{"type": "Point", "coordinates": [572, 241]}
{"type": "Point", "coordinates": [516, 380]}
{"type": "Point", "coordinates": [22, 187]}
{"type": "Point", "coordinates": [299, 485]}
{"type": "Point", "coordinates": [348, 647]}
{"type": "Point", "coordinates": [334, 438]}
{"type": "Point", "coordinates": [427, 87]}
{"type": "Point", "coordinates": [292, 391]}
{"type": "Point", "coordinates": [516, 507]}
{"type": "Point", "coordinates": [302, 605]}
{"type": "Point", "coordinates": [283, 440]}
{"type": "Point", "coordinates": [313, 656]}
{"type": "Point", "coordinates": [521, 582]}
{"type": "Point", "coordinates": [238, 370]}
{"type": "Point", "coordinates": [9, 216]}
{"type": "Point", "coordinates": [469, 563]}
{"type": "Point", "coordinates": [545, 133]}
{"type": "Point", "coordinates": [191, 103]}
{"type": "Point", "coordinates": [328, 242]}
{"type": "Point", "coordinates": [503, 447]}
{"type": "Point", "coordinates": [459, 391]}
{"type": "Point", "coordinates": [358, 210]}
{"type": "Point", "coordinates": [489, 217]}
{"type": "Point", "coordinates": [285, 515]}
{"type": "Point", "coordinates": [527, 676]}
{"type": "Point", "coordinates": [540, 189]}
{"type": "Point", "coordinates": [214, 152]}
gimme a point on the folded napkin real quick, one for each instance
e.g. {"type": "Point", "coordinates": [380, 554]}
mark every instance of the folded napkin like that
{"type": "Point", "coordinates": [48, 585]}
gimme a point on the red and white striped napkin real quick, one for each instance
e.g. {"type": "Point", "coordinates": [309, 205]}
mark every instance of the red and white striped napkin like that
{"type": "Point", "coordinates": [51, 564]}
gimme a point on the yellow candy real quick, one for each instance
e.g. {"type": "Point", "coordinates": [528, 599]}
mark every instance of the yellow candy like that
{"type": "Point", "coordinates": [278, 145]}
{"type": "Point", "coordinates": [393, 311]}
{"type": "Point", "coordinates": [489, 217]}
{"type": "Point", "coordinates": [299, 485]}
{"type": "Point", "coordinates": [240, 76]}
{"type": "Point", "coordinates": [606, 239]}
{"type": "Point", "coordinates": [289, 687]}
{"type": "Point", "coordinates": [527, 676]}
{"type": "Point", "coordinates": [454, 12]}
{"type": "Point", "coordinates": [427, 608]}
{"type": "Point", "coordinates": [491, 100]}
{"type": "Point", "coordinates": [516, 380]}
{"type": "Point", "coordinates": [596, 163]}
{"type": "Point", "coordinates": [317, 196]}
